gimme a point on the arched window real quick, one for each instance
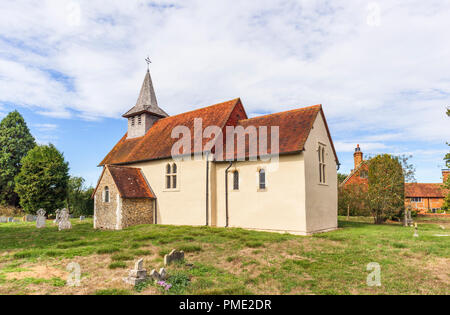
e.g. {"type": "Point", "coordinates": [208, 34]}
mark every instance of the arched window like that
{"type": "Point", "coordinates": [262, 179]}
{"type": "Point", "coordinates": [106, 194]}
{"type": "Point", "coordinates": [235, 180]}
{"type": "Point", "coordinates": [171, 176]}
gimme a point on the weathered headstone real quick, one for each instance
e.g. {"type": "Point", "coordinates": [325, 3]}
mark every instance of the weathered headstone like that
{"type": "Point", "coordinates": [57, 216]}
{"type": "Point", "coordinates": [64, 223]}
{"type": "Point", "coordinates": [138, 274]}
{"type": "Point", "coordinates": [159, 276]}
{"type": "Point", "coordinates": [10, 219]}
{"type": "Point", "coordinates": [30, 218]}
{"type": "Point", "coordinates": [174, 255]}
{"type": "Point", "coordinates": [40, 221]}
{"type": "Point", "coordinates": [416, 230]}
{"type": "Point", "coordinates": [3, 220]}
{"type": "Point", "coordinates": [82, 218]}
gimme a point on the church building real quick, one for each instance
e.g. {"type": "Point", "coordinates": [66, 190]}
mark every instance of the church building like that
{"type": "Point", "coordinates": [290, 188]}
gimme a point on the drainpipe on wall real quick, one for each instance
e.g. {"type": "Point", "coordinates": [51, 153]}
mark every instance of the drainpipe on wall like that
{"type": "Point", "coordinates": [207, 188]}
{"type": "Point", "coordinates": [226, 192]}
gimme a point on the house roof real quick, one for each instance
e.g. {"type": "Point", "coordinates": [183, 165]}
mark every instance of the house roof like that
{"type": "Point", "coordinates": [294, 129]}
{"type": "Point", "coordinates": [424, 190]}
{"type": "Point", "coordinates": [130, 182]}
{"type": "Point", "coordinates": [147, 100]}
{"type": "Point", "coordinates": [354, 172]}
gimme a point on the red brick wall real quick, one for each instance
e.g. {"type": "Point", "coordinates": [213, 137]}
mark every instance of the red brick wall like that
{"type": "Point", "coordinates": [427, 204]}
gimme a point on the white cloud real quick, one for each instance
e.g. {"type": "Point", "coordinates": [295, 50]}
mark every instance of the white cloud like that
{"type": "Point", "coordinates": [378, 84]}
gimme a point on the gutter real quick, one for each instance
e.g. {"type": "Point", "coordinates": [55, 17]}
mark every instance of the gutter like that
{"type": "Point", "coordinates": [226, 192]}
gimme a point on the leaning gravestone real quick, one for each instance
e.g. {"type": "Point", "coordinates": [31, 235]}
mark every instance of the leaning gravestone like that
{"type": "Point", "coordinates": [174, 255]}
{"type": "Point", "coordinates": [138, 274]}
{"type": "Point", "coordinates": [40, 221]}
{"type": "Point", "coordinates": [64, 223]}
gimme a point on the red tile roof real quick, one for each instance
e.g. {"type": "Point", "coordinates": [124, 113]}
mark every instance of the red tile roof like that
{"type": "Point", "coordinates": [130, 182]}
{"type": "Point", "coordinates": [295, 126]}
{"type": "Point", "coordinates": [158, 142]}
{"type": "Point", "coordinates": [424, 190]}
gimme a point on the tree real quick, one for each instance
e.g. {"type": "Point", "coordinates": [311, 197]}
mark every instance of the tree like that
{"type": "Point", "coordinates": [43, 180]}
{"type": "Point", "coordinates": [386, 191]}
{"type": "Point", "coordinates": [341, 178]}
{"type": "Point", "coordinates": [15, 142]}
{"type": "Point", "coordinates": [353, 200]}
{"type": "Point", "coordinates": [79, 197]}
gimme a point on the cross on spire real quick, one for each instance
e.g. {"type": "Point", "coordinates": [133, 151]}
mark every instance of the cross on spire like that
{"type": "Point", "coordinates": [148, 61]}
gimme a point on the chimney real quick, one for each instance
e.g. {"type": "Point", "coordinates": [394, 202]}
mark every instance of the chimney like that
{"type": "Point", "coordinates": [445, 174]}
{"type": "Point", "coordinates": [358, 156]}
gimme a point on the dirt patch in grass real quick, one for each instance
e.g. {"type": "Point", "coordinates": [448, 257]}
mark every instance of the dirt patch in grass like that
{"type": "Point", "coordinates": [38, 272]}
{"type": "Point", "coordinates": [439, 268]}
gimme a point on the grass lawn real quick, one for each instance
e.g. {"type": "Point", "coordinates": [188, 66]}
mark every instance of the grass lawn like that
{"type": "Point", "coordinates": [228, 261]}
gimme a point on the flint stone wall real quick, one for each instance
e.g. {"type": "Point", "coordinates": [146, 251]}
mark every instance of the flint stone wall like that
{"type": "Point", "coordinates": [106, 212]}
{"type": "Point", "coordinates": [136, 212]}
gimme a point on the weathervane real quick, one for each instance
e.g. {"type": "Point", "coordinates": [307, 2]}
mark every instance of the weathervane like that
{"type": "Point", "coordinates": [148, 61]}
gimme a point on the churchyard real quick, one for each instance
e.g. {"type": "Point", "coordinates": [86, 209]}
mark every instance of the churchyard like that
{"type": "Point", "coordinates": [225, 261]}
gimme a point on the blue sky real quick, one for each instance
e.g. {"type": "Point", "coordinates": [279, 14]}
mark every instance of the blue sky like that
{"type": "Point", "coordinates": [380, 69]}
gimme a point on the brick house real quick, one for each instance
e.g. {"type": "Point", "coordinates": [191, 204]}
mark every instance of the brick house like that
{"type": "Point", "coordinates": [421, 197]}
{"type": "Point", "coordinates": [291, 189]}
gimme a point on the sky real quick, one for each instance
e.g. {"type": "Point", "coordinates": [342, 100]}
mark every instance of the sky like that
{"type": "Point", "coordinates": [381, 69]}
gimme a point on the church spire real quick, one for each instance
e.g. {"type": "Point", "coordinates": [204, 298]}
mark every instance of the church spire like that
{"type": "Point", "coordinates": [146, 111]}
{"type": "Point", "coordinates": [147, 100]}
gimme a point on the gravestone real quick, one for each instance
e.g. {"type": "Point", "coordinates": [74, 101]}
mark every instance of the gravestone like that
{"type": "Point", "coordinates": [174, 255]}
{"type": "Point", "coordinates": [408, 218]}
{"type": "Point", "coordinates": [64, 223]}
{"type": "Point", "coordinates": [40, 221]}
{"type": "Point", "coordinates": [138, 274]}
{"type": "Point", "coordinates": [30, 218]}
{"type": "Point", "coordinates": [10, 220]}
{"type": "Point", "coordinates": [416, 230]}
{"type": "Point", "coordinates": [159, 276]}
{"type": "Point", "coordinates": [82, 218]}
{"type": "Point", "coordinates": [3, 220]}
{"type": "Point", "coordinates": [57, 216]}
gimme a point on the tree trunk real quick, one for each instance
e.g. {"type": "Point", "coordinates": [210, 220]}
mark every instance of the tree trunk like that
{"type": "Point", "coordinates": [348, 212]}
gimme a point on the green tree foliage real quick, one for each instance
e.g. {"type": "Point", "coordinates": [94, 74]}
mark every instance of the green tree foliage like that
{"type": "Point", "coordinates": [386, 192]}
{"type": "Point", "coordinates": [43, 180]}
{"type": "Point", "coordinates": [79, 197]}
{"type": "Point", "coordinates": [341, 178]}
{"type": "Point", "coordinates": [353, 200]}
{"type": "Point", "coordinates": [15, 142]}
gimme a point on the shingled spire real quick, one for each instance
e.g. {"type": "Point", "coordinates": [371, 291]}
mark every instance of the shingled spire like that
{"type": "Point", "coordinates": [147, 101]}
{"type": "Point", "coordinates": [146, 111]}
